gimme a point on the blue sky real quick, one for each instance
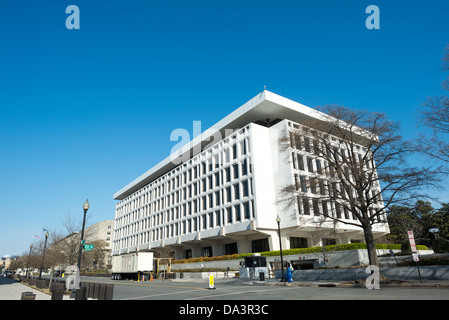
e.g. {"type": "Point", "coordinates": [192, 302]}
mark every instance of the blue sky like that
{"type": "Point", "coordinates": [84, 112]}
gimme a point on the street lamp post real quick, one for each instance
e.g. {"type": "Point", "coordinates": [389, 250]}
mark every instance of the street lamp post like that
{"type": "Point", "coordinates": [29, 257]}
{"type": "Point", "coordinates": [85, 207]}
{"type": "Point", "coordinates": [278, 220]}
{"type": "Point", "coordinates": [43, 255]}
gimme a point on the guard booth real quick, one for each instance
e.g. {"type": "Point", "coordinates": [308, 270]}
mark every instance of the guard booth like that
{"type": "Point", "coordinates": [254, 267]}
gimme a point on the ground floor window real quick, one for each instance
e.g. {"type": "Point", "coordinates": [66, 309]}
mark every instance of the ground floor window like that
{"type": "Point", "coordinates": [260, 245]}
{"type": "Point", "coordinates": [296, 242]}
{"type": "Point", "coordinates": [231, 248]}
{"type": "Point", "coordinates": [207, 252]}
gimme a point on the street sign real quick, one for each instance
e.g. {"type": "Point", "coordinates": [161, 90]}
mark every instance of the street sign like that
{"type": "Point", "coordinates": [88, 247]}
{"type": "Point", "coordinates": [411, 238]}
{"type": "Point", "coordinates": [414, 252]}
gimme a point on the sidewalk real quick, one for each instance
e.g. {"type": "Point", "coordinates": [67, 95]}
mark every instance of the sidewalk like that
{"type": "Point", "coordinates": [12, 290]}
{"type": "Point", "coordinates": [348, 284]}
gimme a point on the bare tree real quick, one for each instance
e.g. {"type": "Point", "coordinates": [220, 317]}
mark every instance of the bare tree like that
{"type": "Point", "coordinates": [435, 115]}
{"type": "Point", "coordinates": [65, 245]}
{"type": "Point", "coordinates": [350, 155]}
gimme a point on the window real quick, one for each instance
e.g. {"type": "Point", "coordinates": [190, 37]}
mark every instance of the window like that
{"type": "Point", "coordinates": [229, 194]}
{"type": "Point", "coordinates": [296, 242]}
{"type": "Point", "coordinates": [207, 252]}
{"type": "Point", "coordinates": [307, 144]}
{"type": "Point", "coordinates": [303, 184]}
{"type": "Point", "coordinates": [203, 200]}
{"type": "Point", "coordinates": [236, 191]}
{"type": "Point", "coordinates": [260, 245]}
{"type": "Point", "coordinates": [300, 162]}
{"type": "Point", "coordinates": [234, 151]}
{"type": "Point", "coordinates": [298, 142]}
{"type": "Point", "coordinates": [236, 170]}
{"type": "Point", "coordinates": [245, 188]}
{"type": "Point", "coordinates": [318, 166]}
{"type": "Point", "coordinates": [211, 219]}
{"type": "Point", "coordinates": [210, 182]}
{"type": "Point", "coordinates": [211, 200]}
{"type": "Point", "coordinates": [244, 168]}
{"type": "Point", "coordinates": [229, 214]}
{"type": "Point", "coordinates": [231, 248]}
{"type": "Point", "coordinates": [306, 206]}
{"type": "Point", "coordinates": [238, 216]}
{"type": "Point", "coordinates": [246, 212]}
{"type": "Point", "coordinates": [322, 188]}
{"type": "Point", "coordinates": [228, 174]}
{"type": "Point", "coordinates": [324, 205]}
{"type": "Point", "coordinates": [316, 209]}
{"type": "Point", "coordinates": [217, 179]}
{"type": "Point", "coordinates": [218, 218]}
{"type": "Point", "coordinates": [313, 183]}
{"type": "Point", "coordinates": [217, 198]}
{"type": "Point", "coordinates": [309, 164]}
{"type": "Point", "coordinates": [204, 218]}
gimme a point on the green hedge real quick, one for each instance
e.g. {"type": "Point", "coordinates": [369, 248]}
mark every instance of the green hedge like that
{"type": "Point", "coordinates": [335, 247]}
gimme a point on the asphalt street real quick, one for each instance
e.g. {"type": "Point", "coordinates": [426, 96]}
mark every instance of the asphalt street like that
{"type": "Point", "coordinates": [238, 289]}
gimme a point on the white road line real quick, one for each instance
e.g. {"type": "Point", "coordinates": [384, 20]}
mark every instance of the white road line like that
{"type": "Point", "coordinates": [234, 293]}
{"type": "Point", "coordinates": [157, 295]}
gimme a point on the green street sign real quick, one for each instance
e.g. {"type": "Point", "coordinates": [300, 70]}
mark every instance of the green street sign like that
{"type": "Point", "coordinates": [88, 247]}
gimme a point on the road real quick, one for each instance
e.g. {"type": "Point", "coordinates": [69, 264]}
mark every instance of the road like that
{"type": "Point", "coordinates": [237, 289]}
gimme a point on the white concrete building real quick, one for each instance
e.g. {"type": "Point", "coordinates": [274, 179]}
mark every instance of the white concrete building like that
{"type": "Point", "coordinates": [222, 198]}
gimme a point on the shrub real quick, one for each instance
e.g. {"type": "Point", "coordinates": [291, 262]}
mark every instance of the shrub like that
{"type": "Point", "coordinates": [440, 245]}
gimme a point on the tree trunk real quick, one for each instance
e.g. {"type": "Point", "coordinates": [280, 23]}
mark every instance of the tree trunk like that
{"type": "Point", "coordinates": [371, 248]}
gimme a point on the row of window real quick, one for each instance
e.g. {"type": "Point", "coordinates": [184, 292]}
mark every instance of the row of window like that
{"type": "Point", "coordinates": [226, 216]}
{"type": "Point", "coordinates": [232, 193]}
{"type": "Point", "coordinates": [330, 208]}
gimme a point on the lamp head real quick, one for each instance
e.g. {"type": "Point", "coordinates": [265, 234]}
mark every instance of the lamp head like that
{"type": "Point", "coordinates": [86, 205]}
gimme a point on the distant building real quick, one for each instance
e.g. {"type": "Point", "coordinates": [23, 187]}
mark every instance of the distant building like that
{"type": "Point", "coordinates": [5, 262]}
{"type": "Point", "coordinates": [222, 199]}
{"type": "Point", "coordinates": [102, 231]}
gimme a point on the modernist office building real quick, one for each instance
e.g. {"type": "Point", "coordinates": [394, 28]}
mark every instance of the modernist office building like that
{"type": "Point", "coordinates": [221, 195]}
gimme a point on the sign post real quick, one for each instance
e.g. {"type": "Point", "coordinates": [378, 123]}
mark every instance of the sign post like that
{"type": "Point", "coordinates": [411, 238]}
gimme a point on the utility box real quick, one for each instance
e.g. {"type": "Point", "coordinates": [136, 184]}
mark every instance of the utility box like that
{"type": "Point", "coordinates": [253, 267]}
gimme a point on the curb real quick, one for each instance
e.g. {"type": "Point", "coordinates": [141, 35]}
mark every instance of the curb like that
{"type": "Point", "coordinates": [351, 284]}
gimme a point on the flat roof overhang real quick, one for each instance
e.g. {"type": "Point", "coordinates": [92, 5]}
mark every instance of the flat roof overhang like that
{"type": "Point", "coordinates": [266, 105]}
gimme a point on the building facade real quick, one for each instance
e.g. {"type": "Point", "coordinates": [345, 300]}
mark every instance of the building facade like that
{"type": "Point", "coordinates": [101, 232]}
{"type": "Point", "coordinates": [219, 194]}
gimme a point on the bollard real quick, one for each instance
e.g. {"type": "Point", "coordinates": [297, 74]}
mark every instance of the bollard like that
{"type": "Point", "coordinates": [57, 294]}
{"type": "Point", "coordinates": [81, 293]}
{"type": "Point", "coordinates": [109, 292]}
{"type": "Point", "coordinates": [90, 293]}
{"type": "Point", "coordinates": [102, 293]}
{"type": "Point", "coordinates": [96, 291]}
